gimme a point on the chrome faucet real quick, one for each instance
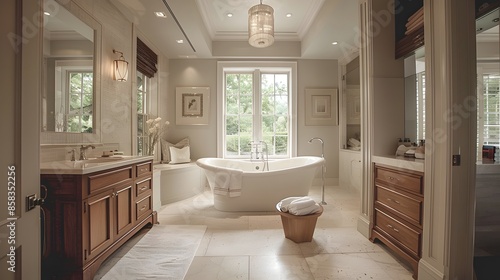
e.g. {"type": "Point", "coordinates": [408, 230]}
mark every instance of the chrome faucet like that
{"type": "Point", "coordinates": [72, 152]}
{"type": "Point", "coordinates": [266, 159]}
{"type": "Point", "coordinates": [83, 151]}
{"type": "Point", "coordinates": [260, 155]}
{"type": "Point", "coordinates": [322, 167]}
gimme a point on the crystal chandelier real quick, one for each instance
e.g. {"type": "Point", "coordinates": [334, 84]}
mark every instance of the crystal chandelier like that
{"type": "Point", "coordinates": [261, 26]}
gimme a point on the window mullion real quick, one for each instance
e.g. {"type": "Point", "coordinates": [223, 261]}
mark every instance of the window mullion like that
{"type": "Point", "coordinates": [257, 112]}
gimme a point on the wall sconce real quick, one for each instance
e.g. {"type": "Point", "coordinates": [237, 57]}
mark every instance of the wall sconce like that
{"type": "Point", "coordinates": [120, 68]}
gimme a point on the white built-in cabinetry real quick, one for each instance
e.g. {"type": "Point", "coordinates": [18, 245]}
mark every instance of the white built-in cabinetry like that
{"type": "Point", "coordinates": [350, 169]}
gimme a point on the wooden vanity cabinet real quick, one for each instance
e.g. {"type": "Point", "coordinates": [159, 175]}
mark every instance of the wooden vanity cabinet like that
{"type": "Point", "coordinates": [398, 212]}
{"type": "Point", "coordinates": [88, 217]}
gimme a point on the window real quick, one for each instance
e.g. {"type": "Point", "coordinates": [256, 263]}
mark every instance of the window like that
{"type": "Point", "coordinates": [257, 105]}
{"type": "Point", "coordinates": [420, 106]}
{"type": "Point", "coordinates": [79, 112]}
{"type": "Point", "coordinates": [488, 111]}
{"type": "Point", "coordinates": [147, 93]}
{"type": "Point", "coordinates": [143, 86]}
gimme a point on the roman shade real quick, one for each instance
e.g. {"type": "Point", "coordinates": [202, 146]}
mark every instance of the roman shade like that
{"type": "Point", "coordinates": [146, 59]}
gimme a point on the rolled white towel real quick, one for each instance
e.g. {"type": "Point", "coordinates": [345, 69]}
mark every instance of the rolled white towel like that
{"type": "Point", "coordinates": [305, 211]}
{"type": "Point", "coordinates": [301, 203]}
{"type": "Point", "coordinates": [284, 203]}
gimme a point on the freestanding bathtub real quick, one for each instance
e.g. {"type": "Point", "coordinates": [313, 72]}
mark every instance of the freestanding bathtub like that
{"type": "Point", "coordinates": [261, 190]}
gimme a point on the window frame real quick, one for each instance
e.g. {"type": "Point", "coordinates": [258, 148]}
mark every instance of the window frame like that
{"type": "Point", "coordinates": [257, 68]}
{"type": "Point", "coordinates": [146, 107]}
{"type": "Point", "coordinates": [484, 69]}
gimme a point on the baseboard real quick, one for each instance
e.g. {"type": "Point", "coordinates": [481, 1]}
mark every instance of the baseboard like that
{"type": "Point", "coordinates": [427, 272]}
{"type": "Point", "coordinates": [363, 226]}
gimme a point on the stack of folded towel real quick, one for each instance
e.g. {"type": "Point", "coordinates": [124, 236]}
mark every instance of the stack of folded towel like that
{"type": "Point", "coordinates": [301, 205]}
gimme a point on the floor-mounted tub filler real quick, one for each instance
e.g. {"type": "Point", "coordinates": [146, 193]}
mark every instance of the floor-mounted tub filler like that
{"type": "Point", "coordinates": [241, 185]}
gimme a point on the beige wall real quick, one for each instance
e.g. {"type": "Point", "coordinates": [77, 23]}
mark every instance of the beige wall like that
{"type": "Point", "coordinates": [311, 74]}
{"type": "Point", "coordinates": [194, 73]}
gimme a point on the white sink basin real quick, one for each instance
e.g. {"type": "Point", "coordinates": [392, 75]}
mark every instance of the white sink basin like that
{"type": "Point", "coordinates": [102, 159]}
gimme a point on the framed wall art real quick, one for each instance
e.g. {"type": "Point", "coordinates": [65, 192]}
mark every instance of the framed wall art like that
{"type": "Point", "coordinates": [321, 107]}
{"type": "Point", "coordinates": [192, 105]}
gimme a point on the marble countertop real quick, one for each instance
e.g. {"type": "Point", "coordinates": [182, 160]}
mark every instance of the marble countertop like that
{"type": "Point", "coordinates": [90, 165]}
{"type": "Point", "coordinates": [401, 162]}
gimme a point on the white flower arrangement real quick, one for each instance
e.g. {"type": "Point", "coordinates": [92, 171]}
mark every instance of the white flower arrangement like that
{"type": "Point", "coordinates": [154, 130]}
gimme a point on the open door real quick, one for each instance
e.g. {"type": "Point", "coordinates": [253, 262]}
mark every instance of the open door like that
{"type": "Point", "coordinates": [19, 149]}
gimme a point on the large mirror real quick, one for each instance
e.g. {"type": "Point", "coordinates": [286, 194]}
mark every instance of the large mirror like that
{"type": "Point", "coordinates": [70, 56]}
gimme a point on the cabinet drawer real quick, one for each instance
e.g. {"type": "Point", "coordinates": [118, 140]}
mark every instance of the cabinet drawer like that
{"type": "Point", "coordinates": [143, 168]}
{"type": "Point", "coordinates": [407, 181]}
{"type": "Point", "coordinates": [407, 206]}
{"type": "Point", "coordinates": [105, 179]}
{"type": "Point", "coordinates": [142, 187]}
{"type": "Point", "coordinates": [143, 207]}
{"type": "Point", "coordinates": [399, 231]}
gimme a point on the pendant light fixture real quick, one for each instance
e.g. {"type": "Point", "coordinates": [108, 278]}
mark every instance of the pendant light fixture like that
{"type": "Point", "coordinates": [261, 26]}
{"type": "Point", "coordinates": [120, 68]}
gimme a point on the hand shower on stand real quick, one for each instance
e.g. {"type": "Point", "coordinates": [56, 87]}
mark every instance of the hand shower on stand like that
{"type": "Point", "coordinates": [322, 168]}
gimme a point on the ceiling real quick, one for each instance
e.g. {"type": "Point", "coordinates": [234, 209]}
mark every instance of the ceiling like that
{"type": "Point", "coordinates": [208, 32]}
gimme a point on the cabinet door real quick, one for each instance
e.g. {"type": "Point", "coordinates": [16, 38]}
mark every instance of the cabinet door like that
{"type": "Point", "coordinates": [98, 217]}
{"type": "Point", "coordinates": [123, 207]}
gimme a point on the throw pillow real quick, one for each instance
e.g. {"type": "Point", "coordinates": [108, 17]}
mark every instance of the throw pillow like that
{"type": "Point", "coordinates": [165, 147]}
{"type": "Point", "coordinates": [181, 155]}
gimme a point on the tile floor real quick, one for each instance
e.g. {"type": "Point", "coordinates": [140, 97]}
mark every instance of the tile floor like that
{"type": "Point", "coordinates": [252, 245]}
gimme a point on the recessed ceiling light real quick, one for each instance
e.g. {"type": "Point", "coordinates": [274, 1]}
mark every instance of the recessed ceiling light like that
{"type": "Point", "coordinates": [160, 14]}
{"type": "Point", "coordinates": [289, 15]}
{"type": "Point", "coordinates": [229, 14]}
{"type": "Point", "coordinates": [495, 19]}
{"type": "Point", "coordinates": [46, 13]}
{"type": "Point", "coordinates": [335, 43]}
{"type": "Point", "coordinates": [180, 41]}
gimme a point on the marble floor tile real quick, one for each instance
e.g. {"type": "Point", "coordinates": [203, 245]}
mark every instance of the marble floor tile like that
{"type": "Point", "coordinates": [346, 267]}
{"type": "Point", "coordinates": [285, 267]}
{"type": "Point", "coordinates": [251, 242]}
{"type": "Point", "coordinates": [218, 268]}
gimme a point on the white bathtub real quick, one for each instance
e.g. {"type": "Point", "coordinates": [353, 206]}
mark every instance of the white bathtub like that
{"type": "Point", "coordinates": [261, 191]}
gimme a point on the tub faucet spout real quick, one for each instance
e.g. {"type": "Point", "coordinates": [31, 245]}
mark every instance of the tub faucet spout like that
{"type": "Point", "coordinates": [265, 159]}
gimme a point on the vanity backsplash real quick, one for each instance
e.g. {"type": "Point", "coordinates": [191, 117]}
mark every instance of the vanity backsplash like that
{"type": "Point", "coordinates": [58, 152]}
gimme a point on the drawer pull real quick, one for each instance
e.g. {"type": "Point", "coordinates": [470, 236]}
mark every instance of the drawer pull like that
{"type": "Point", "coordinates": [142, 208]}
{"type": "Point", "coordinates": [143, 188]}
{"type": "Point", "coordinates": [392, 178]}
{"type": "Point", "coordinates": [393, 228]}
{"type": "Point", "coordinates": [395, 201]}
